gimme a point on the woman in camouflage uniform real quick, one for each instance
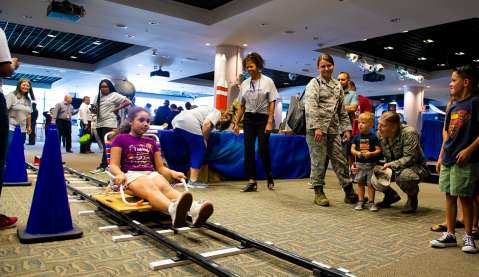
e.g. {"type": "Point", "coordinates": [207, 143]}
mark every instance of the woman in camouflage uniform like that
{"type": "Point", "coordinates": [325, 117]}
{"type": "Point", "coordinates": [404, 155]}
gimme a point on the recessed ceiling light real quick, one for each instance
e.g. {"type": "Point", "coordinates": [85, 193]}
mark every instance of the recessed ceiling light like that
{"type": "Point", "coordinates": [130, 36]}
{"type": "Point", "coordinates": [364, 39]}
{"type": "Point", "coordinates": [422, 58]}
{"type": "Point", "coordinates": [208, 44]}
{"type": "Point", "coordinates": [460, 53]}
{"type": "Point", "coordinates": [73, 57]}
{"type": "Point", "coordinates": [428, 86]}
{"type": "Point", "coordinates": [153, 22]}
{"type": "Point", "coordinates": [245, 45]}
{"type": "Point", "coordinates": [264, 24]}
{"type": "Point", "coordinates": [80, 52]}
{"type": "Point", "coordinates": [191, 59]}
{"type": "Point", "coordinates": [40, 46]}
{"type": "Point", "coordinates": [97, 42]}
{"type": "Point", "coordinates": [289, 32]}
{"type": "Point", "coordinates": [139, 65]}
{"type": "Point", "coordinates": [388, 48]}
{"type": "Point", "coordinates": [395, 20]}
{"type": "Point", "coordinates": [441, 64]}
{"type": "Point", "coordinates": [315, 38]}
{"type": "Point", "coordinates": [428, 40]}
{"type": "Point", "coordinates": [51, 36]}
{"type": "Point", "coordinates": [35, 52]}
{"type": "Point", "coordinates": [476, 60]}
{"type": "Point", "coordinates": [405, 31]}
{"type": "Point", "coordinates": [285, 84]}
{"type": "Point", "coordinates": [121, 26]}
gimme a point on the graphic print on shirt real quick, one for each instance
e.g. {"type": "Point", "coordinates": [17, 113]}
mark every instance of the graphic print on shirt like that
{"type": "Point", "coordinates": [458, 119]}
{"type": "Point", "coordinates": [139, 155]}
{"type": "Point", "coordinates": [364, 145]}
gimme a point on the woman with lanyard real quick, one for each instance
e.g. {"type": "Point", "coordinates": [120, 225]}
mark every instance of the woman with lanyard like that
{"type": "Point", "coordinates": [325, 117]}
{"type": "Point", "coordinates": [19, 107]}
{"type": "Point", "coordinates": [258, 95]}
{"type": "Point", "coordinates": [107, 104]}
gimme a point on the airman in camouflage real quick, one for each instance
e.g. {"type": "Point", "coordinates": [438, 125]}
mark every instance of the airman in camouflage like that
{"type": "Point", "coordinates": [325, 117]}
{"type": "Point", "coordinates": [404, 155]}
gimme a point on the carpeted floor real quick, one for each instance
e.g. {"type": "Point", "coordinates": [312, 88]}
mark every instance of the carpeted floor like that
{"type": "Point", "coordinates": [386, 243]}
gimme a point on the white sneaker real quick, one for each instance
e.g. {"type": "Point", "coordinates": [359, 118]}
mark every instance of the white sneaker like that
{"type": "Point", "coordinates": [469, 245]}
{"type": "Point", "coordinates": [98, 170]}
{"type": "Point", "coordinates": [359, 206]}
{"type": "Point", "coordinates": [373, 207]}
{"type": "Point", "coordinates": [200, 211]}
{"type": "Point", "coordinates": [179, 209]}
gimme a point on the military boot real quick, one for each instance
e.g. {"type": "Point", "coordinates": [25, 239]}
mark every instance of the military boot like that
{"type": "Point", "coordinates": [319, 197]}
{"type": "Point", "coordinates": [350, 196]}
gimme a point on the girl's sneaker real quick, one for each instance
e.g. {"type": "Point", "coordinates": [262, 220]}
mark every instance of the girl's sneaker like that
{"type": "Point", "coordinates": [200, 211]}
{"type": "Point", "coordinates": [179, 209]}
{"type": "Point", "coordinates": [359, 206]}
{"type": "Point", "coordinates": [446, 240]}
{"type": "Point", "coordinates": [469, 245]}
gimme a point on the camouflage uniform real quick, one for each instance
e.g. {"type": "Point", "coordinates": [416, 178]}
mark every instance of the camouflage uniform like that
{"type": "Point", "coordinates": [324, 109]}
{"type": "Point", "coordinates": [405, 155]}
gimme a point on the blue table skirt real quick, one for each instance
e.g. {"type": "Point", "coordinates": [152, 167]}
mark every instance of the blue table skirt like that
{"type": "Point", "coordinates": [225, 154]}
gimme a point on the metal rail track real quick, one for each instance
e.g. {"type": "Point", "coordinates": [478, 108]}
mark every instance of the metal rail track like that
{"type": "Point", "coordinates": [183, 254]}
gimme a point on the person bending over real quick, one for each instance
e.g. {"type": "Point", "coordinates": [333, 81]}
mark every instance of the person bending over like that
{"type": "Point", "coordinates": [137, 166]}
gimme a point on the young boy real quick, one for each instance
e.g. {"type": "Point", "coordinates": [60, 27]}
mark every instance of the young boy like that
{"type": "Point", "coordinates": [460, 156]}
{"type": "Point", "coordinates": [366, 150]}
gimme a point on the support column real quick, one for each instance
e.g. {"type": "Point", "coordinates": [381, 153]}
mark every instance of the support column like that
{"type": "Point", "coordinates": [228, 66]}
{"type": "Point", "coordinates": [413, 106]}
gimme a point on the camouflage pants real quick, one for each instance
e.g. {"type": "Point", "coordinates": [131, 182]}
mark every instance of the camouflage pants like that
{"type": "Point", "coordinates": [408, 179]}
{"type": "Point", "coordinates": [329, 147]}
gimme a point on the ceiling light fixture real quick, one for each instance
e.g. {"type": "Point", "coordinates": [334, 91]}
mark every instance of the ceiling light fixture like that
{"type": "Point", "coordinates": [208, 44]}
{"type": "Point", "coordinates": [51, 36]}
{"type": "Point", "coordinates": [428, 86]}
{"type": "Point", "coordinates": [81, 52]}
{"type": "Point", "coordinates": [97, 42]}
{"type": "Point", "coordinates": [388, 48]}
{"type": "Point", "coordinates": [404, 74]}
{"type": "Point", "coordinates": [245, 45]}
{"type": "Point", "coordinates": [428, 40]}
{"type": "Point", "coordinates": [35, 52]}
{"type": "Point", "coordinates": [422, 58]}
{"type": "Point", "coordinates": [153, 22]}
{"type": "Point", "coordinates": [73, 57]}
{"type": "Point", "coordinates": [352, 57]}
{"type": "Point", "coordinates": [441, 64]}
{"type": "Point", "coordinates": [405, 31]}
{"type": "Point", "coordinates": [139, 65]}
{"type": "Point", "coordinates": [121, 26]}
{"type": "Point", "coordinates": [476, 60]}
{"type": "Point", "coordinates": [364, 39]}
{"type": "Point", "coordinates": [130, 36]}
{"type": "Point", "coordinates": [460, 53]}
{"type": "Point", "coordinates": [40, 46]}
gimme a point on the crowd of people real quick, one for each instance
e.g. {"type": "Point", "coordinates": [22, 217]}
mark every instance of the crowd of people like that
{"type": "Point", "coordinates": [339, 129]}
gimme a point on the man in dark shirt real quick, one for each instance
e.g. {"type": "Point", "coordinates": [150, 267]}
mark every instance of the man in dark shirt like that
{"type": "Point", "coordinates": [162, 113]}
{"type": "Point", "coordinates": [34, 117]}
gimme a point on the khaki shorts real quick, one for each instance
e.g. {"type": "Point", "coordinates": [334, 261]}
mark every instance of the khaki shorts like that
{"type": "Point", "coordinates": [459, 180]}
{"type": "Point", "coordinates": [132, 176]}
{"type": "Point", "coordinates": [365, 172]}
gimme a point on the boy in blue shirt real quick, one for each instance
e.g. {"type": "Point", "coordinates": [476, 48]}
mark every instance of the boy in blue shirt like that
{"type": "Point", "coordinates": [366, 150]}
{"type": "Point", "coordinates": [459, 161]}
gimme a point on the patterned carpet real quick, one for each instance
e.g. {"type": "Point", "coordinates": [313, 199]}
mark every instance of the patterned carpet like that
{"type": "Point", "coordinates": [386, 243]}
